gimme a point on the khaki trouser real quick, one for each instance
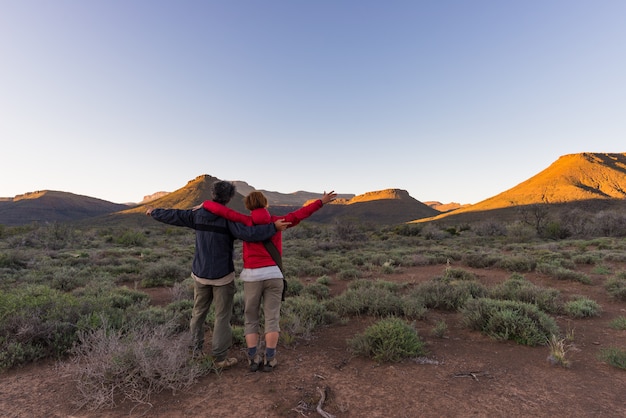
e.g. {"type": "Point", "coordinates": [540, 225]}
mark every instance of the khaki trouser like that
{"type": "Point", "coordinates": [270, 291]}
{"type": "Point", "coordinates": [203, 296]}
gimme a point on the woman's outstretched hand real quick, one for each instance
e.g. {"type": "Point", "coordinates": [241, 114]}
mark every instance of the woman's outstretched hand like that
{"type": "Point", "coordinates": [329, 197]}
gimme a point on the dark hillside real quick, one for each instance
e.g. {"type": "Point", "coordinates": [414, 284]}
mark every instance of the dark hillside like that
{"type": "Point", "coordinates": [53, 206]}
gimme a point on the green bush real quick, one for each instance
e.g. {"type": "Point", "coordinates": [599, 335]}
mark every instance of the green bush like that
{"type": "Point", "coordinates": [300, 315]}
{"type": "Point", "coordinates": [36, 322]}
{"type": "Point", "coordinates": [518, 264]}
{"type": "Point", "coordinates": [388, 340]}
{"type": "Point", "coordinates": [12, 260]}
{"type": "Point", "coordinates": [131, 239]}
{"type": "Point", "coordinates": [616, 357]}
{"type": "Point", "coordinates": [481, 260]}
{"type": "Point", "coordinates": [443, 293]}
{"type": "Point", "coordinates": [618, 323]}
{"type": "Point", "coordinates": [164, 274]}
{"type": "Point", "coordinates": [367, 297]}
{"type": "Point", "coordinates": [317, 290]}
{"type": "Point", "coordinates": [562, 273]}
{"type": "Point", "coordinates": [521, 322]}
{"type": "Point", "coordinates": [616, 287]}
{"type": "Point", "coordinates": [517, 288]}
{"type": "Point", "coordinates": [582, 307]}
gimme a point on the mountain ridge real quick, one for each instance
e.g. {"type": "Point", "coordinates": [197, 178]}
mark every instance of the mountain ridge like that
{"type": "Point", "coordinates": [588, 180]}
{"type": "Point", "coordinates": [583, 177]}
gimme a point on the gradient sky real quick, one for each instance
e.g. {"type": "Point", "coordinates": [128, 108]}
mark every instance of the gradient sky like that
{"type": "Point", "coordinates": [454, 101]}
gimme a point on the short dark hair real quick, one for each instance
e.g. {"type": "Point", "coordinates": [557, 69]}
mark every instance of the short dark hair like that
{"type": "Point", "coordinates": [223, 191]}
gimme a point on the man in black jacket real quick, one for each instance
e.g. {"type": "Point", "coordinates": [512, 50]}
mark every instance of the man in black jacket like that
{"type": "Point", "coordinates": [213, 269]}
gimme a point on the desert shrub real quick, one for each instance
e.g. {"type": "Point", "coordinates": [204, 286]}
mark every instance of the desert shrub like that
{"type": "Point", "coordinates": [558, 351]}
{"type": "Point", "coordinates": [586, 258]}
{"type": "Point", "coordinates": [562, 273]}
{"type": "Point", "coordinates": [12, 260]}
{"type": "Point", "coordinates": [447, 294]}
{"type": "Point", "coordinates": [433, 232]}
{"type": "Point", "coordinates": [521, 322]}
{"type": "Point", "coordinates": [408, 230]}
{"type": "Point", "coordinates": [582, 307]}
{"type": "Point", "coordinates": [602, 269]}
{"type": "Point", "coordinates": [349, 274]}
{"type": "Point", "coordinates": [294, 287]}
{"type": "Point", "coordinates": [617, 256]}
{"type": "Point", "coordinates": [67, 279]}
{"type": "Point", "coordinates": [300, 315]}
{"type": "Point", "coordinates": [610, 223]}
{"type": "Point", "coordinates": [517, 288]}
{"type": "Point", "coordinates": [616, 286]}
{"type": "Point", "coordinates": [164, 274]}
{"type": "Point", "coordinates": [481, 260]}
{"type": "Point", "coordinates": [618, 323]}
{"type": "Point", "coordinates": [183, 290]}
{"type": "Point", "coordinates": [349, 230]}
{"type": "Point", "coordinates": [366, 297]}
{"type": "Point", "coordinates": [458, 274]}
{"type": "Point", "coordinates": [555, 230]}
{"type": "Point", "coordinates": [489, 229]}
{"type": "Point", "coordinates": [614, 356]}
{"type": "Point", "coordinates": [413, 306]}
{"type": "Point", "coordinates": [134, 364]}
{"type": "Point", "coordinates": [36, 322]}
{"type": "Point", "coordinates": [325, 280]}
{"type": "Point", "coordinates": [440, 329]}
{"type": "Point", "coordinates": [239, 335]}
{"type": "Point", "coordinates": [131, 239]}
{"type": "Point", "coordinates": [576, 221]}
{"type": "Point", "coordinates": [520, 232]}
{"type": "Point", "coordinates": [388, 340]}
{"type": "Point", "coordinates": [520, 264]}
{"type": "Point", "coordinates": [317, 290]}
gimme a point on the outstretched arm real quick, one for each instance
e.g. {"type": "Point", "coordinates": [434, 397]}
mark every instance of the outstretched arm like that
{"type": "Point", "coordinates": [226, 212]}
{"type": "Point", "coordinates": [304, 212]}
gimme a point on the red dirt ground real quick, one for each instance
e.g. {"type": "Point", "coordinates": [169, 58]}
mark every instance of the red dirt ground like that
{"type": "Point", "coordinates": [464, 375]}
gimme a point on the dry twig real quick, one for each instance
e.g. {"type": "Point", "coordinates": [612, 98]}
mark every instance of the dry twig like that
{"type": "Point", "coordinates": [319, 409]}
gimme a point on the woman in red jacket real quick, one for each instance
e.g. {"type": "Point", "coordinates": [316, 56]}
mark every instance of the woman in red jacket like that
{"type": "Point", "coordinates": [261, 275]}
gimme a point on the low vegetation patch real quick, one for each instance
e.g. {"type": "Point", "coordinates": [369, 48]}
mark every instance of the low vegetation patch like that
{"type": "Point", "coordinates": [517, 288]}
{"type": "Point", "coordinates": [301, 315]}
{"type": "Point", "coordinates": [388, 340]}
{"type": "Point", "coordinates": [111, 365]}
{"type": "Point", "coordinates": [619, 323]}
{"type": "Point", "coordinates": [614, 356]}
{"type": "Point", "coordinates": [582, 307]}
{"type": "Point", "coordinates": [521, 322]}
{"type": "Point", "coordinates": [561, 273]}
{"type": "Point", "coordinates": [448, 294]}
{"type": "Point", "coordinates": [616, 286]}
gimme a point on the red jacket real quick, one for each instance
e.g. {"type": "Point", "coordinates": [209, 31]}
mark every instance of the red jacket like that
{"type": "Point", "coordinates": [254, 253]}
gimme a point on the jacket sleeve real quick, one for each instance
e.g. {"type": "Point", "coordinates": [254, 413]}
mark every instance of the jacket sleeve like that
{"type": "Point", "coordinates": [251, 233]}
{"type": "Point", "coordinates": [304, 212]}
{"type": "Point", "coordinates": [176, 217]}
{"type": "Point", "coordinates": [226, 212]}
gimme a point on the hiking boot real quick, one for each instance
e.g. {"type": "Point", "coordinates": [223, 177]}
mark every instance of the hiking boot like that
{"type": "Point", "coordinates": [226, 363]}
{"type": "Point", "coordinates": [256, 362]}
{"type": "Point", "coordinates": [270, 364]}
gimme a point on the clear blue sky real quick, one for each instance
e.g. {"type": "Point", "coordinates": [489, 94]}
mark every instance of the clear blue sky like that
{"type": "Point", "coordinates": [449, 100]}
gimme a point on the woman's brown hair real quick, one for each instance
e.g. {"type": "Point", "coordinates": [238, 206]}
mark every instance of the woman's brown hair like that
{"type": "Point", "coordinates": [255, 200]}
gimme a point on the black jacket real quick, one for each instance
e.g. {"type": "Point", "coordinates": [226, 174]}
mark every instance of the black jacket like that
{"type": "Point", "coordinates": [215, 237]}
